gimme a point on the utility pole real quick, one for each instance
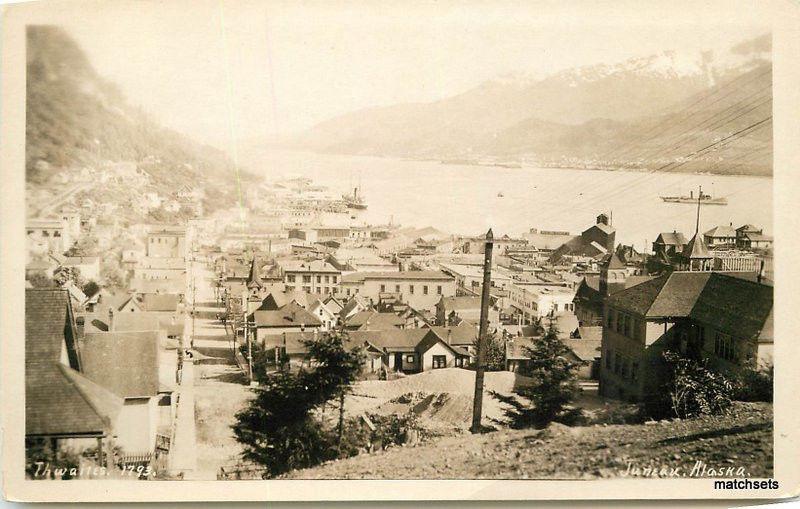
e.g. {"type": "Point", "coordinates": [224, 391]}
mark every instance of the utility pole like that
{"type": "Point", "coordinates": [249, 349]}
{"type": "Point", "coordinates": [477, 403]}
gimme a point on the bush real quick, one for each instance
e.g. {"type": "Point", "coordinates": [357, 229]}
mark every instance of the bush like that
{"type": "Point", "coordinates": [755, 384]}
{"type": "Point", "coordinates": [692, 390]}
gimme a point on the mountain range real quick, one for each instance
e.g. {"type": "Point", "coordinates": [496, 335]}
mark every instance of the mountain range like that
{"type": "Point", "coordinates": [642, 113]}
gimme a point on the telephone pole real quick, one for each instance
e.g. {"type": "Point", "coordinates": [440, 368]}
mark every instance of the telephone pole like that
{"type": "Point", "coordinates": [477, 403]}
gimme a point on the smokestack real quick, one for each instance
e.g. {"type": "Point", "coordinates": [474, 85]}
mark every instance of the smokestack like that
{"type": "Point", "coordinates": [110, 319]}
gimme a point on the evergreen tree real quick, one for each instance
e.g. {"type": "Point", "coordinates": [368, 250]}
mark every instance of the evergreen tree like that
{"type": "Point", "coordinates": [554, 383]}
{"type": "Point", "coordinates": [281, 429]}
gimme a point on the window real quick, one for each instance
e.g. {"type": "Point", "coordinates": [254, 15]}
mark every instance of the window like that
{"type": "Point", "coordinates": [56, 234]}
{"type": "Point", "coordinates": [333, 279]}
{"type": "Point", "coordinates": [306, 279]}
{"type": "Point", "coordinates": [555, 307]}
{"type": "Point", "coordinates": [348, 292]}
{"type": "Point", "coordinates": [411, 289]}
{"type": "Point", "coordinates": [439, 290]}
{"type": "Point", "coordinates": [410, 359]}
{"type": "Point", "coordinates": [439, 361]}
{"type": "Point", "coordinates": [724, 347]}
{"type": "Point", "coordinates": [383, 288]}
{"type": "Point", "coordinates": [307, 289]}
{"type": "Point", "coordinates": [327, 279]}
{"type": "Point", "coordinates": [319, 280]}
{"type": "Point", "coordinates": [425, 290]}
{"type": "Point", "coordinates": [396, 288]}
{"type": "Point", "coordinates": [290, 278]}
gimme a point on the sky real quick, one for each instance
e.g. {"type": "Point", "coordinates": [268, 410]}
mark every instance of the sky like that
{"type": "Point", "coordinates": [229, 72]}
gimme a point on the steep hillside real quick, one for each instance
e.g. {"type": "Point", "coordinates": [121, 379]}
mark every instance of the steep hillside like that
{"type": "Point", "coordinates": [76, 119]}
{"type": "Point", "coordinates": [580, 116]}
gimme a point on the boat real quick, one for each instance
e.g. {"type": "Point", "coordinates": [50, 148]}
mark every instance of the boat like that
{"type": "Point", "coordinates": [702, 199]}
{"type": "Point", "coordinates": [355, 200]}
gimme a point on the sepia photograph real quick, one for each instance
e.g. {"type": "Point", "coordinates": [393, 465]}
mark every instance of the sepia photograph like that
{"type": "Point", "coordinates": [272, 241]}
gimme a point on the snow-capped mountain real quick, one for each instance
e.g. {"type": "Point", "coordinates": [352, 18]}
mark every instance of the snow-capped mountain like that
{"type": "Point", "coordinates": [527, 115]}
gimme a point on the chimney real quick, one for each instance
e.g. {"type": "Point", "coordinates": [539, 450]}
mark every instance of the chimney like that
{"type": "Point", "coordinates": [449, 336]}
{"type": "Point", "coordinates": [110, 319]}
{"type": "Point", "coordinates": [80, 322]}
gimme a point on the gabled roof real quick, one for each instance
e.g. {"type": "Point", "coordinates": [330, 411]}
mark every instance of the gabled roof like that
{"type": "Point", "coordinates": [373, 320]}
{"type": "Point", "coordinates": [431, 339]}
{"type": "Point", "coordinates": [396, 340]}
{"type": "Point", "coordinates": [354, 303]}
{"type": "Point", "coordinates": [276, 300]}
{"type": "Point", "coordinates": [457, 335]}
{"type": "Point", "coordinates": [61, 401]}
{"type": "Point", "coordinates": [671, 239]}
{"type": "Point", "coordinates": [584, 349]}
{"type": "Point", "coordinates": [160, 302]}
{"type": "Point", "coordinates": [127, 363]}
{"type": "Point", "coordinates": [49, 327]}
{"type": "Point", "coordinates": [290, 315]}
{"type": "Point", "coordinates": [58, 400]}
{"type": "Point", "coordinates": [721, 231]}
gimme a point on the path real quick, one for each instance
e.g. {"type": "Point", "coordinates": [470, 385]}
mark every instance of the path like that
{"type": "Point", "coordinates": [219, 386]}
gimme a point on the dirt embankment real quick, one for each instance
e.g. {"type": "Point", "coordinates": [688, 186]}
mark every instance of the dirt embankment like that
{"type": "Point", "coordinates": [738, 444]}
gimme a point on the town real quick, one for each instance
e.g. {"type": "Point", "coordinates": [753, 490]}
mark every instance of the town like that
{"type": "Point", "coordinates": [145, 339]}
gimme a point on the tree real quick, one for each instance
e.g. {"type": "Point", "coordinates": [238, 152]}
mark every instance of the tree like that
{"type": "Point", "coordinates": [554, 383]}
{"type": "Point", "coordinates": [40, 280]}
{"type": "Point", "coordinates": [281, 428]}
{"type": "Point", "coordinates": [495, 353]}
{"type": "Point", "coordinates": [278, 429]}
{"type": "Point", "coordinates": [336, 369]}
{"type": "Point", "coordinates": [90, 288]}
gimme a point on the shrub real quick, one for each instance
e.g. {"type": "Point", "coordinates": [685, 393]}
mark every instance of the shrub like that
{"type": "Point", "coordinates": [755, 384]}
{"type": "Point", "coordinates": [692, 389]}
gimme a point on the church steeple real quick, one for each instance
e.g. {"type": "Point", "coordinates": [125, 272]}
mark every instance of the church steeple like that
{"type": "Point", "coordinates": [254, 279]}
